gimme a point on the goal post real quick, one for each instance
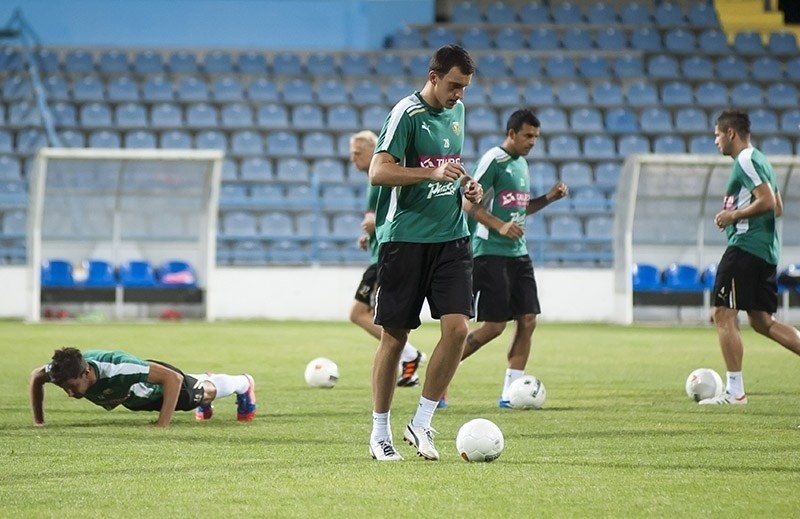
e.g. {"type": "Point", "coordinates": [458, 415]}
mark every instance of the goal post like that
{"type": "Point", "coordinates": [664, 213]}
{"type": "Point", "coordinates": [123, 204]}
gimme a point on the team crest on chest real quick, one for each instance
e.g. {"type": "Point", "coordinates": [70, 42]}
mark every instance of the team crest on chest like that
{"type": "Point", "coordinates": [456, 127]}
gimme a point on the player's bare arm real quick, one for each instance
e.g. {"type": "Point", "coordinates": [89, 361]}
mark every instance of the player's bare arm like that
{"type": "Point", "coordinates": [765, 200]}
{"type": "Point", "coordinates": [171, 382]}
{"type": "Point", "coordinates": [385, 171]}
{"type": "Point", "coordinates": [481, 215]}
{"type": "Point", "coordinates": [36, 383]}
{"type": "Point", "coordinates": [778, 204]}
{"type": "Point", "coordinates": [557, 192]}
{"type": "Point", "coordinates": [368, 223]}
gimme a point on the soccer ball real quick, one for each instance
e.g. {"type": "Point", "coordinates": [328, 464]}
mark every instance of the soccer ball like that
{"type": "Point", "coordinates": [322, 372]}
{"type": "Point", "coordinates": [527, 392]}
{"type": "Point", "coordinates": [703, 383]}
{"type": "Point", "coordinates": [479, 440]}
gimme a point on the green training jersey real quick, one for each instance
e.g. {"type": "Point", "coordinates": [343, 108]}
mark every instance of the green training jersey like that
{"type": "Point", "coordinates": [506, 183]}
{"type": "Point", "coordinates": [418, 135]}
{"type": "Point", "coordinates": [121, 380]}
{"type": "Point", "coordinates": [755, 235]}
{"type": "Point", "coordinates": [376, 203]}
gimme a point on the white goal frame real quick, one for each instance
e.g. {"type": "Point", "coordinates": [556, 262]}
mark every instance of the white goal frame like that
{"type": "Point", "coordinates": [202, 245]}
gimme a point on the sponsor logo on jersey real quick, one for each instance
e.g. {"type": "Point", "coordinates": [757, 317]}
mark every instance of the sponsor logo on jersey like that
{"type": "Point", "coordinates": [434, 161]}
{"type": "Point", "coordinates": [513, 198]}
{"type": "Point", "coordinates": [456, 127]}
{"type": "Point", "coordinates": [437, 189]}
{"type": "Point", "coordinates": [427, 128]}
{"type": "Point", "coordinates": [728, 201]}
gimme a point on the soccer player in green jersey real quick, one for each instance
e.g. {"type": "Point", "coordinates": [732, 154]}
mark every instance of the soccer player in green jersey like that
{"type": "Point", "coordinates": [113, 378]}
{"type": "Point", "coordinates": [362, 311]}
{"type": "Point", "coordinates": [424, 242]}
{"type": "Point", "coordinates": [746, 276]}
{"type": "Point", "coordinates": [504, 283]}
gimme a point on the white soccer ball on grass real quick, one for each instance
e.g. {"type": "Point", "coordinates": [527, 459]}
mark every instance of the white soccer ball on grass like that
{"type": "Point", "coordinates": [322, 372]}
{"type": "Point", "coordinates": [704, 383]}
{"type": "Point", "coordinates": [480, 440]}
{"type": "Point", "coordinates": [527, 392]}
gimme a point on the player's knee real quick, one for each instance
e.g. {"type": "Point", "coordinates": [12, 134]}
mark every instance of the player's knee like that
{"type": "Point", "coordinates": [209, 392]}
{"type": "Point", "coordinates": [494, 330]}
{"type": "Point", "coordinates": [760, 322]}
{"type": "Point", "coordinates": [527, 322]}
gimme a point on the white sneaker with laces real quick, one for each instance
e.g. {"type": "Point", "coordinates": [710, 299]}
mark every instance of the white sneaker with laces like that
{"type": "Point", "coordinates": [383, 450]}
{"type": "Point", "coordinates": [725, 399]}
{"type": "Point", "coordinates": [422, 439]}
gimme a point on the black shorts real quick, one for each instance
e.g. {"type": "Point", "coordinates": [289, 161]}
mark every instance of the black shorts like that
{"type": "Point", "coordinates": [408, 273]}
{"type": "Point", "coordinates": [745, 282]}
{"type": "Point", "coordinates": [366, 289]}
{"type": "Point", "coordinates": [190, 396]}
{"type": "Point", "coordinates": [504, 288]}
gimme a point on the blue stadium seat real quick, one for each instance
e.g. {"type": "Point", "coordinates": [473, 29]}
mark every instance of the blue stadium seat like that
{"type": "Point", "coordinates": [645, 39]}
{"type": "Point", "coordinates": [286, 63]}
{"type": "Point", "coordinates": [329, 171]}
{"type": "Point", "coordinates": [46, 61]}
{"type": "Point", "coordinates": [766, 69]}
{"type": "Point", "coordinates": [99, 273]}
{"type": "Point", "coordinates": [553, 120]}
{"type": "Point", "coordinates": [24, 114]}
{"type": "Point", "coordinates": [256, 169]}
{"type": "Point", "coordinates": [300, 196]}
{"type": "Point", "coordinates": [776, 146]}
{"type": "Point", "coordinates": [317, 144]}
{"type": "Point", "coordinates": [713, 41]}
{"type": "Point", "coordinates": [263, 90]}
{"type": "Point", "coordinates": [466, 12]}
{"type": "Point", "coordinates": [606, 176]}
{"type": "Point", "coordinates": [691, 120]}
{"type": "Point", "coordinates": [217, 62]}
{"type": "Point", "coordinates": [645, 276]}
{"type": "Point", "coordinates": [56, 273]}
{"type": "Point", "coordinates": [634, 13]}
{"type": "Point", "coordinates": [78, 61]}
{"type": "Point", "coordinates": [482, 119]}
{"type": "Point", "coordinates": [233, 195]}
{"type": "Point", "coordinates": [633, 145]}
{"type": "Point", "coordinates": [321, 64]}
{"type": "Point", "coordinates": [340, 198]}
{"type": "Point", "coordinates": [283, 144]}
{"type": "Point", "coordinates": [16, 88]}
{"type": "Point", "coordinates": [272, 116]}
{"type": "Point", "coordinates": [274, 225]}
{"type": "Point", "coordinates": [192, 89]}
{"type": "Point", "coordinates": [677, 93]}
{"type": "Point", "coordinates": [137, 273]}
{"type": "Point", "coordinates": [227, 89]}
{"type": "Point", "coordinates": [56, 89]}
{"type": "Point", "coordinates": [122, 89]}
{"type": "Point", "coordinates": [307, 117]}
{"type": "Point", "coordinates": [268, 196]}
{"type": "Point", "coordinates": [29, 141]}
{"type": "Point", "coordinates": [763, 121]}
{"type": "Point", "coordinates": [104, 139]}
{"type": "Point", "coordinates": [346, 226]}
{"type": "Point", "coordinates": [576, 175]}
{"type": "Point", "coordinates": [95, 115]}
{"type": "Point", "coordinates": [567, 13]}
{"type": "Point", "coordinates": [576, 38]}
{"type": "Point", "coordinates": [332, 91]}
{"type": "Point", "coordinates": [251, 62]}
{"type": "Point", "coordinates": [702, 144]}
{"type": "Point", "coordinates": [229, 168]}
{"type": "Point", "coordinates": [140, 139]}
{"type": "Point", "coordinates": [166, 115]}
{"type": "Point", "coordinates": [113, 62]}
{"type": "Point", "coordinates": [538, 93]}
{"type": "Point", "coordinates": [732, 67]}
{"type": "Point", "coordinates": [566, 227]}
{"type": "Point", "coordinates": [543, 38]}
{"type": "Point", "coordinates": [702, 14]}
{"type": "Point", "coordinates": [564, 147]}
{"type": "Point", "coordinates": [6, 141]}
{"type": "Point", "coordinates": [621, 120]}
{"type": "Point", "coordinates": [534, 13]}
{"type": "Point", "coordinates": [793, 69]}
{"type": "Point", "coordinates": [642, 93]}
{"type": "Point", "coordinates": [342, 117]}
{"type": "Point", "coordinates": [669, 144]}
{"type": "Point", "coordinates": [492, 66]}
{"type": "Point", "coordinates": [607, 93]}
{"type": "Point", "coordinates": [748, 43]}
{"type": "Point", "coordinates": [600, 13]}
{"type": "Point", "coordinates": [525, 66]}
{"type": "Point", "coordinates": [247, 252]}
{"type": "Point", "coordinates": [389, 65]}
{"type": "Point", "coordinates": [594, 67]}
{"type": "Point", "coordinates": [211, 140]}
{"type": "Point", "coordinates": [667, 14]}
{"type": "Point", "coordinates": [588, 200]}
{"type": "Point", "coordinates": [236, 115]}
{"type": "Point", "coordinates": [157, 89]}
{"type": "Point", "coordinates": [781, 95]}
{"type": "Point", "coordinates": [88, 88]}
{"type": "Point", "coordinates": [697, 67]}
{"type": "Point", "coordinates": [182, 62]}
{"type": "Point", "coordinates": [201, 115]}
{"type": "Point", "coordinates": [782, 44]}
{"type": "Point", "coordinates": [679, 41]}
{"type": "Point", "coordinates": [543, 176]}
{"type": "Point", "coordinates": [148, 62]}
{"type": "Point", "coordinates": [663, 66]}
{"type": "Point", "coordinates": [239, 224]}
{"type": "Point", "coordinates": [372, 117]}
{"type": "Point", "coordinates": [504, 93]}
{"type": "Point", "coordinates": [586, 120]}
{"type": "Point", "coordinates": [437, 36]}
{"type": "Point", "coordinates": [682, 276]}
{"type": "Point", "coordinates": [418, 65]}
{"type": "Point", "coordinates": [746, 94]}
{"type": "Point", "coordinates": [176, 140]}
{"type": "Point", "coordinates": [711, 94]}
{"type": "Point", "coordinates": [9, 168]}
{"type": "Point", "coordinates": [71, 139]}
{"type": "Point", "coordinates": [298, 91]}
{"type": "Point", "coordinates": [366, 92]}
{"type": "Point", "coordinates": [130, 115]}
{"type": "Point", "coordinates": [246, 143]}
{"type": "Point", "coordinates": [611, 38]}
{"type": "Point", "coordinates": [629, 66]}
{"type": "Point", "coordinates": [560, 67]}
{"type": "Point", "coordinates": [599, 147]}
{"type": "Point", "coordinates": [509, 38]}
{"type": "Point", "coordinates": [500, 13]}
{"type": "Point", "coordinates": [407, 38]}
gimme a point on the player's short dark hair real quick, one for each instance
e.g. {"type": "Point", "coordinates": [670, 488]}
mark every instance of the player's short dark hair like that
{"type": "Point", "coordinates": [67, 363]}
{"type": "Point", "coordinates": [450, 56]}
{"type": "Point", "coordinates": [520, 117]}
{"type": "Point", "coordinates": [736, 119]}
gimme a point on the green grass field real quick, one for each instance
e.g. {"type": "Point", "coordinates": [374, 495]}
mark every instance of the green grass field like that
{"type": "Point", "coordinates": [618, 436]}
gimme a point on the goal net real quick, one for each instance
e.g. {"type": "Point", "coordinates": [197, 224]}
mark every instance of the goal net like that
{"type": "Point", "coordinates": [124, 204]}
{"type": "Point", "coordinates": [665, 209]}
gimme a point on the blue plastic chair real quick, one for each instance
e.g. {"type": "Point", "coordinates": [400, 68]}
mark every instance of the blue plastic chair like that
{"type": "Point", "coordinates": [137, 274]}
{"type": "Point", "coordinates": [176, 273]}
{"type": "Point", "coordinates": [99, 273]}
{"type": "Point", "coordinates": [683, 277]}
{"type": "Point", "coordinates": [251, 62]}
{"type": "Point", "coordinates": [56, 273]}
{"type": "Point", "coordinates": [646, 277]}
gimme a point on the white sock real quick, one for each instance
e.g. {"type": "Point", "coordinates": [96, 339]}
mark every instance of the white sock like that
{"type": "Point", "coordinates": [409, 353]}
{"type": "Point", "coordinates": [228, 384]}
{"type": "Point", "coordinates": [381, 427]}
{"type": "Point", "coordinates": [511, 376]}
{"type": "Point", "coordinates": [424, 414]}
{"type": "Point", "coordinates": [735, 383]}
